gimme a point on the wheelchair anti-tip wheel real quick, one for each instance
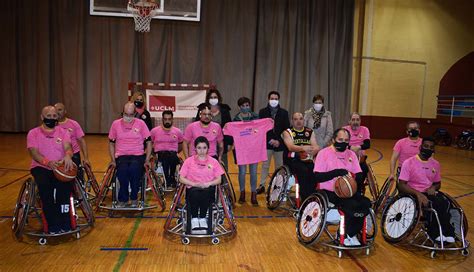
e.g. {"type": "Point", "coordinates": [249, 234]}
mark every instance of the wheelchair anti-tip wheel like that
{"type": "Point", "coordinates": [185, 241]}
{"type": "Point", "coordinates": [42, 241]}
{"type": "Point", "coordinates": [215, 241]}
{"type": "Point", "coordinates": [399, 218]}
{"type": "Point", "coordinates": [311, 219]}
{"type": "Point", "coordinates": [276, 187]}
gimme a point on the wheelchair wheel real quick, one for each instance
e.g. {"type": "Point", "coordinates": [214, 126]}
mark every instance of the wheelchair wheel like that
{"type": "Point", "coordinates": [456, 213]}
{"type": "Point", "coordinates": [91, 180]}
{"type": "Point", "coordinates": [372, 182]}
{"type": "Point", "coordinates": [26, 199]}
{"type": "Point", "coordinates": [387, 191]}
{"type": "Point", "coordinates": [277, 187]}
{"type": "Point", "coordinates": [400, 218]}
{"type": "Point", "coordinates": [81, 198]}
{"type": "Point", "coordinates": [311, 219]}
{"type": "Point", "coordinates": [157, 187]}
{"type": "Point", "coordinates": [104, 186]}
{"type": "Point", "coordinates": [371, 226]}
{"type": "Point", "coordinates": [228, 187]}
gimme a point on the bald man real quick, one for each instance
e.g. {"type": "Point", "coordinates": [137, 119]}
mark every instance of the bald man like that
{"type": "Point", "coordinates": [300, 150]}
{"type": "Point", "coordinates": [77, 135]}
{"type": "Point", "coordinates": [128, 154]}
{"type": "Point", "coordinates": [48, 146]}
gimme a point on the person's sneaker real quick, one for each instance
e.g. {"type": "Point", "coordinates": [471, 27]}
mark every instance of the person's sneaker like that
{"type": "Point", "coordinates": [194, 223]}
{"type": "Point", "coordinates": [121, 204]}
{"type": "Point", "coordinates": [333, 216]}
{"type": "Point", "coordinates": [134, 204]}
{"type": "Point", "coordinates": [355, 241]}
{"type": "Point", "coordinates": [203, 223]}
{"type": "Point", "coordinates": [347, 241]}
{"type": "Point", "coordinates": [260, 189]}
{"type": "Point", "coordinates": [54, 230]}
{"type": "Point", "coordinates": [449, 239]}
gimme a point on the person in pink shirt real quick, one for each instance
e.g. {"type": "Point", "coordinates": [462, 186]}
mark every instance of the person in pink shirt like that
{"type": "Point", "coordinates": [405, 148]}
{"type": "Point", "coordinates": [360, 140]}
{"type": "Point", "coordinates": [420, 176]}
{"type": "Point", "coordinates": [332, 162]}
{"type": "Point", "coordinates": [48, 146]}
{"type": "Point", "coordinates": [200, 173]}
{"type": "Point", "coordinates": [127, 136]}
{"type": "Point", "coordinates": [204, 127]}
{"type": "Point", "coordinates": [167, 143]}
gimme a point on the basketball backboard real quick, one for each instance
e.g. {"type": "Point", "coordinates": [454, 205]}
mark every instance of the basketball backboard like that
{"type": "Point", "coordinates": [185, 10]}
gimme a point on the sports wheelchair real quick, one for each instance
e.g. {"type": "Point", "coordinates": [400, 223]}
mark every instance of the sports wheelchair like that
{"type": "Point", "coordinates": [317, 216]}
{"type": "Point", "coordinates": [283, 188]}
{"type": "Point", "coordinates": [111, 183]}
{"type": "Point", "coordinates": [402, 222]}
{"type": "Point", "coordinates": [88, 182]}
{"type": "Point", "coordinates": [28, 208]}
{"type": "Point", "coordinates": [220, 217]}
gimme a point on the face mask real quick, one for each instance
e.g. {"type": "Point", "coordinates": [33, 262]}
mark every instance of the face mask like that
{"type": "Point", "coordinates": [167, 125]}
{"type": "Point", "coordinates": [426, 153]}
{"type": "Point", "coordinates": [205, 122]}
{"type": "Point", "coordinates": [413, 133]}
{"type": "Point", "coordinates": [138, 104]}
{"type": "Point", "coordinates": [245, 110]}
{"type": "Point", "coordinates": [213, 101]}
{"type": "Point", "coordinates": [273, 103]}
{"type": "Point", "coordinates": [317, 107]}
{"type": "Point", "coordinates": [340, 147]}
{"type": "Point", "coordinates": [50, 123]}
{"type": "Point", "coordinates": [128, 119]}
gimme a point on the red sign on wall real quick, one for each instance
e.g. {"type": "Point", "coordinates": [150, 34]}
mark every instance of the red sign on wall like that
{"type": "Point", "coordinates": [159, 103]}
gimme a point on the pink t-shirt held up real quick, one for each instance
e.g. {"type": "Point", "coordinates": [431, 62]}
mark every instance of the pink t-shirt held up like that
{"type": "Point", "coordinates": [329, 159]}
{"type": "Point", "coordinates": [201, 171]}
{"type": "Point", "coordinates": [212, 132]}
{"type": "Point", "coordinates": [358, 136]}
{"type": "Point", "coordinates": [407, 148]}
{"type": "Point", "coordinates": [129, 137]}
{"type": "Point", "coordinates": [50, 144]}
{"type": "Point", "coordinates": [420, 175]}
{"type": "Point", "coordinates": [249, 139]}
{"type": "Point", "coordinates": [166, 139]}
{"type": "Point", "coordinates": [76, 133]}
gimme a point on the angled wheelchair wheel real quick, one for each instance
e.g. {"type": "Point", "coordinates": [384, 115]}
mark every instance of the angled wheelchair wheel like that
{"type": "Point", "coordinates": [91, 180]}
{"type": "Point", "coordinates": [277, 187]}
{"type": "Point", "coordinates": [228, 187]}
{"type": "Point", "coordinates": [387, 191]}
{"type": "Point", "coordinates": [104, 186]}
{"type": "Point", "coordinates": [81, 198]}
{"type": "Point", "coordinates": [25, 201]}
{"type": "Point", "coordinates": [372, 182]}
{"type": "Point", "coordinates": [157, 187]}
{"type": "Point", "coordinates": [458, 217]}
{"type": "Point", "coordinates": [311, 219]}
{"type": "Point", "coordinates": [371, 226]}
{"type": "Point", "coordinates": [400, 218]}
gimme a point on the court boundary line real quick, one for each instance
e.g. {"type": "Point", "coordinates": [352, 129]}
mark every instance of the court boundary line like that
{"type": "Point", "coordinates": [15, 180]}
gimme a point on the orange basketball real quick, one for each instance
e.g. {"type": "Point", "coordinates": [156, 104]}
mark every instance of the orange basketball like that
{"type": "Point", "coordinates": [345, 186]}
{"type": "Point", "coordinates": [65, 176]}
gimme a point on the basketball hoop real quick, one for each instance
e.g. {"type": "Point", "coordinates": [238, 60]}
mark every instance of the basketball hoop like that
{"type": "Point", "coordinates": [143, 11]}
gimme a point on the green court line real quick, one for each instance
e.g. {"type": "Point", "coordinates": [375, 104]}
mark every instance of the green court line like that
{"type": "Point", "coordinates": [128, 243]}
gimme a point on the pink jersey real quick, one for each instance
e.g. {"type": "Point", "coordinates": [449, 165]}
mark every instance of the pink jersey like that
{"type": "Point", "coordinates": [358, 136]}
{"type": "Point", "coordinates": [420, 175]}
{"type": "Point", "coordinates": [329, 159]}
{"type": "Point", "coordinates": [249, 139]}
{"type": "Point", "coordinates": [129, 137]}
{"type": "Point", "coordinates": [212, 132]}
{"type": "Point", "coordinates": [76, 132]}
{"type": "Point", "coordinates": [50, 144]}
{"type": "Point", "coordinates": [407, 148]}
{"type": "Point", "coordinates": [166, 139]}
{"type": "Point", "coordinates": [201, 171]}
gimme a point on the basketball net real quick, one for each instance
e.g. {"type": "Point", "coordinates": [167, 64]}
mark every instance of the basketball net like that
{"type": "Point", "coordinates": [143, 12]}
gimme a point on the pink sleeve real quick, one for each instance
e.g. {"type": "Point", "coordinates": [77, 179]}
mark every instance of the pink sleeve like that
{"type": "Point", "coordinates": [405, 172]}
{"type": "Point", "coordinates": [320, 163]}
{"type": "Point", "coordinates": [218, 171]}
{"type": "Point", "coordinates": [112, 132]}
{"type": "Point", "coordinates": [185, 168]}
{"type": "Point", "coordinates": [397, 146]}
{"type": "Point", "coordinates": [78, 130]}
{"type": "Point", "coordinates": [180, 135]}
{"type": "Point", "coordinates": [66, 136]}
{"type": "Point", "coordinates": [228, 129]}
{"type": "Point", "coordinates": [31, 140]}
{"type": "Point", "coordinates": [367, 134]}
{"type": "Point", "coordinates": [188, 133]}
{"type": "Point", "coordinates": [437, 177]}
{"type": "Point", "coordinates": [152, 134]}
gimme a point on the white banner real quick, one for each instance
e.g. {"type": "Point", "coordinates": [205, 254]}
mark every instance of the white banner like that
{"type": "Point", "coordinates": [182, 103]}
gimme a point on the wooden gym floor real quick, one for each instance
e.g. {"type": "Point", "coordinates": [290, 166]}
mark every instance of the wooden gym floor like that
{"type": "Point", "coordinates": [265, 241]}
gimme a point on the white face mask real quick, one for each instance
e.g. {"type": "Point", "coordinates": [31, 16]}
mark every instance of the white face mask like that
{"type": "Point", "coordinates": [273, 103]}
{"type": "Point", "coordinates": [213, 101]}
{"type": "Point", "coordinates": [128, 119]}
{"type": "Point", "coordinates": [317, 107]}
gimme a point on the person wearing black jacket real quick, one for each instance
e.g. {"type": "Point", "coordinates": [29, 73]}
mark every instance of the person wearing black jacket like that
{"type": "Point", "coordinates": [221, 115]}
{"type": "Point", "coordinates": [138, 98]}
{"type": "Point", "coordinates": [275, 145]}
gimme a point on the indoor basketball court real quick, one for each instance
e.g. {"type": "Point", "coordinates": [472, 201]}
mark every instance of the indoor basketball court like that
{"type": "Point", "coordinates": [392, 62]}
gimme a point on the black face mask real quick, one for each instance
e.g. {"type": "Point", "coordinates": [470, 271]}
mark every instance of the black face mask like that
{"type": "Point", "coordinates": [341, 147]}
{"type": "Point", "coordinates": [51, 123]}
{"type": "Point", "coordinates": [426, 153]}
{"type": "Point", "coordinates": [413, 133]}
{"type": "Point", "coordinates": [167, 125]}
{"type": "Point", "coordinates": [138, 104]}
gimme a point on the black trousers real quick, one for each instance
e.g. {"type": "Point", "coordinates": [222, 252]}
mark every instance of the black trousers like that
{"type": "Point", "coordinates": [305, 175]}
{"type": "Point", "coordinates": [355, 209]}
{"type": "Point", "coordinates": [169, 160]}
{"type": "Point", "coordinates": [76, 158]}
{"type": "Point", "coordinates": [441, 205]}
{"type": "Point", "coordinates": [54, 196]}
{"type": "Point", "coordinates": [199, 200]}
